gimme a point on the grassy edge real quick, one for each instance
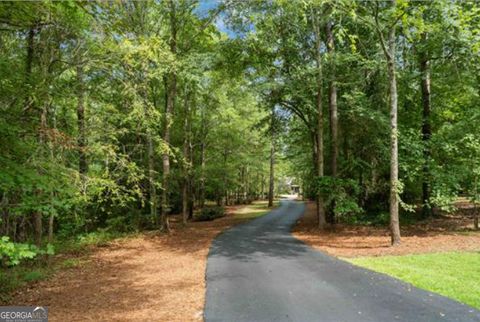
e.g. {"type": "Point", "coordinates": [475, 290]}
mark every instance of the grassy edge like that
{"type": "Point", "coordinates": [451, 274]}
{"type": "Point", "coordinates": [255, 210]}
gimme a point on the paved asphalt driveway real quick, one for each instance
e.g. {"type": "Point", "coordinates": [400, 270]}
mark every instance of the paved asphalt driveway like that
{"type": "Point", "coordinates": [259, 272]}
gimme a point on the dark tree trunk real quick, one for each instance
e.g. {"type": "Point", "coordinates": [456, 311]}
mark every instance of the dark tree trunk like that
{"type": "Point", "coordinates": [37, 215]}
{"type": "Point", "coordinates": [202, 158]}
{"type": "Point", "coordinates": [475, 216]}
{"type": "Point", "coordinates": [202, 175]}
{"type": "Point", "coordinates": [29, 66]}
{"type": "Point", "coordinates": [319, 108]}
{"type": "Point", "coordinates": [332, 107]}
{"type": "Point", "coordinates": [186, 169]}
{"type": "Point", "coordinates": [190, 178]}
{"type": "Point", "coordinates": [151, 178]}
{"type": "Point", "coordinates": [271, 186]}
{"type": "Point", "coordinates": [332, 95]}
{"type": "Point", "coordinates": [262, 191]}
{"type": "Point", "coordinates": [151, 166]}
{"type": "Point", "coordinates": [426, 130]}
{"type": "Point", "coordinates": [170, 104]}
{"type": "Point", "coordinates": [82, 138]}
{"type": "Point", "coordinates": [225, 174]}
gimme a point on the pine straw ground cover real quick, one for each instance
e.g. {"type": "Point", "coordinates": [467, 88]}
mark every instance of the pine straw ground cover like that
{"type": "Point", "coordinates": [148, 277]}
{"type": "Point", "coordinates": [440, 255]}
{"type": "Point", "coordinates": [435, 235]}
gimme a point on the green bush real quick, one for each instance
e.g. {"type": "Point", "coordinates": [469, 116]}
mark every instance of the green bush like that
{"type": "Point", "coordinates": [210, 213]}
{"type": "Point", "coordinates": [12, 254]}
{"type": "Point", "coordinates": [96, 238]}
{"type": "Point", "coordinates": [341, 194]}
{"type": "Point", "coordinates": [35, 275]}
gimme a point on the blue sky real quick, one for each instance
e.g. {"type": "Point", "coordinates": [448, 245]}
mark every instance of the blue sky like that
{"type": "Point", "coordinates": [205, 6]}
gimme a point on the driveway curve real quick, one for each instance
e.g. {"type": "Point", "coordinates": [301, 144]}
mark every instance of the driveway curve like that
{"type": "Point", "coordinates": [259, 272]}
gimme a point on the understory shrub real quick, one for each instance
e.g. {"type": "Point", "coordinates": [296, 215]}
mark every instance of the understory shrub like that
{"type": "Point", "coordinates": [12, 254]}
{"type": "Point", "coordinates": [210, 213]}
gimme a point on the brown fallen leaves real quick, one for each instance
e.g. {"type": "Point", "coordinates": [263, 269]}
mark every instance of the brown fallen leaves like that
{"type": "Point", "coordinates": [162, 277]}
{"type": "Point", "coordinates": [151, 277]}
{"type": "Point", "coordinates": [435, 235]}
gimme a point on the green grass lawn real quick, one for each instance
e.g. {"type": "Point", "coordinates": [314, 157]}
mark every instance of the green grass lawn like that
{"type": "Point", "coordinates": [254, 210]}
{"type": "Point", "coordinates": [455, 275]}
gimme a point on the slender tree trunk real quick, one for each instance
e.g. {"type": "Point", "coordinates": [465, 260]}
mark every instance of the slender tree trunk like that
{"type": "Point", "coordinates": [390, 51]}
{"type": "Point", "coordinates": [394, 202]}
{"type": "Point", "coordinates": [82, 138]}
{"type": "Point", "coordinates": [225, 183]}
{"type": "Point", "coordinates": [319, 108]}
{"type": "Point", "coordinates": [426, 130]}
{"type": "Point", "coordinates": [152, 174]}
{"type": "Point", "coordinates": [475, 205]}
{"type": "Point", "coordinates": [257, 186]}
{"type": "Point", "coordinates": [332, 107]}
{"type": "Point", "coordinates": [185, 200]}
{"type": "Point", "coordinates": [262, 192]}
{"type": "Point", "coordinates": [332, 94]}
{"type": "Point", "coordinates": [37, 216]}
{"type": "Point", "coordinates": [202, 175]}
{"type": "Point", "coordinates": [164, 224]}
{"type": "Point", "coordinates": [29, 66]}
{"type": "Point", "coordinates": [5, 215]}
{"type": "Point", "coordinates": [202, 158]}
{"type": "Point", "coordinates": [151, 178]}
{"type": "Point", "coordinates": [271, 187]}
{"type": "Point", "coordinates": [50, 228]}
{"type": "Point", "coordinates": [51, 218]}
{"type": "Point", "coordinates": [191, 196]}
{"type": "Point", "coordinates": [170, 104]}
{"type": "Point", "coordinates": [475, 216]}
{"type": "Point", "coordinates": [247, 185]}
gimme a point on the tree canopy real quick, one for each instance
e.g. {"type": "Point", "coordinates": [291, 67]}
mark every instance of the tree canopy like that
{"type": "Point", "coordinates": [118, 115]}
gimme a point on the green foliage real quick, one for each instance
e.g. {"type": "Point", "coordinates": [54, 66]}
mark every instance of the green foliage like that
{"type": "Point", "coordinates": [115, 62]}
{"type": "Point", "coordinates": [210, 213]}
{"type": "Point", "coordinates": [97, 238]}
{"type": "Point", "coordinates": [114, 67]}
{"type": "Point", "coordinates": [343, 193]}
{"type": "Point", "coordinates": [33, 276]}
{"type": "Point", "coordinates": [71, 262]}
{"type": "Point", "coordinates": [14, 277]}
{"type": "Point", "coordinates": [444, 33]}
{"type": "Point", "coordinates": [12, 254]}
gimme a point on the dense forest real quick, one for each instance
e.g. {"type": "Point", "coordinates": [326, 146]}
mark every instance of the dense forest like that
{"type": "Point", "coordinates": [118, 115]}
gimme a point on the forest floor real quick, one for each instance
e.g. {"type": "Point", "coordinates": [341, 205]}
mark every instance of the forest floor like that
{"type": "Point", "coordinates": [448, 233]}
{"type": "Point", "coordinates": [146, 277]}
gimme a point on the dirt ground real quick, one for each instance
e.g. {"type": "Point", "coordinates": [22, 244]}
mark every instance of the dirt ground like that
{"type": "Point", "coordinates": [147, 278]}
{"type": "Point", "coordinates": [452, 233]}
